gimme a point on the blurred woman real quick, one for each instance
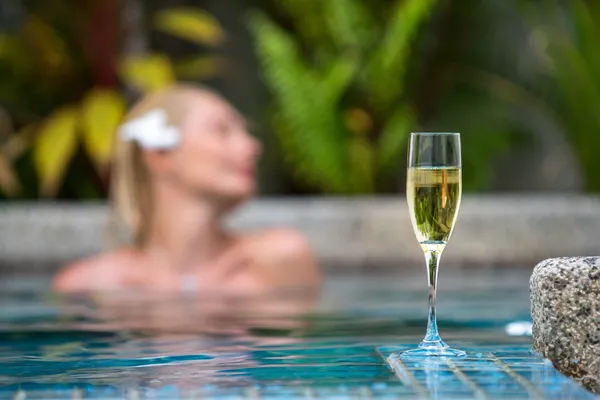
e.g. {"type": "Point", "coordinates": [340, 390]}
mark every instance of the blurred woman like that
{"type": "Point", "coordinates": [183, 161]}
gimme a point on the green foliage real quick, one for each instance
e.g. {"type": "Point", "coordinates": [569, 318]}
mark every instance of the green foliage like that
{"type": "Point", "coordinates": [461, 84]}
{"type": "Point", "coordinates": [574, 64]}
{"type": "Point", "coordinates": [88, 117]}
{"type": "Point", "coordinates": [554, 75]}
{"type": "Point", "coordinates": [341, 110]}
{"type": "Point", "coordinates": [564, 40]}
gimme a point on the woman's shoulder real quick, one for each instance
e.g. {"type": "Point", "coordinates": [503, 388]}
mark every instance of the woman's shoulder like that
{"type": "Point", "coordinates": [285, 253]}
{"type": "Point", "coordinates": [102, 272]}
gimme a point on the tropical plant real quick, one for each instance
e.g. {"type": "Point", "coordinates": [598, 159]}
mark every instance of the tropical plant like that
{"type": "Point", "coordinates": [88, 117]}
{"type": "Point", "coordinates": [567, 39]}
{"type": "Point", "coordinates": [341, 109]}
{"type": "Point", "coordinates": [462, 85]}
{"type": "Point", "coordinates": [538, 62]}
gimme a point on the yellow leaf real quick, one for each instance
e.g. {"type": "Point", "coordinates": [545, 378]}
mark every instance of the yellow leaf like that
{"type": "Point", "coordinates": [102, 112]}
{"type": "Point", "coordinates": [191, 24]}
{"type": "Point", "coordinates": [54, 147]}
{"type": "Point", "coordinates": [199, 67]}
{"type": "Point", "coordinates": [148, 73]}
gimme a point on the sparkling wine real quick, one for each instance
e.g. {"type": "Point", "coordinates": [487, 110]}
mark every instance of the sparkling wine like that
{"type": "Point", "coordinates": [433, 195]}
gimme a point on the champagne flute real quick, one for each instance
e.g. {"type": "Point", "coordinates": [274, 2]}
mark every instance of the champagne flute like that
{"type": "Point", "coordinates": [433, 191]}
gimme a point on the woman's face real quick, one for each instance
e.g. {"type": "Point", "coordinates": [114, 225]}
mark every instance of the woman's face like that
{"type": "Point", "coordinates": [216, 156]}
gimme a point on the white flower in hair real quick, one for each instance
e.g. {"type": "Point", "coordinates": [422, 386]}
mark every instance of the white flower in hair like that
{"type": "Point", "coordinates": [151, 131]}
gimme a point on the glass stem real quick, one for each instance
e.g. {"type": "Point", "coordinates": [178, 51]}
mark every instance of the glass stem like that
{"type": "Point", "coordinates": [432, 257]}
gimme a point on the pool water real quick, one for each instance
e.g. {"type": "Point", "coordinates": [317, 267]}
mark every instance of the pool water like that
{"type": "Point", "coordinates": [135, 347]}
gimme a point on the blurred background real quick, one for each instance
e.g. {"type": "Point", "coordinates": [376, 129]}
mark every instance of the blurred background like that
{"type": "Point", "coordinates": [332, 88]}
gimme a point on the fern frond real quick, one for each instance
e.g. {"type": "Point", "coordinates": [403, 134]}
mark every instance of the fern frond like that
{"type": "Point", "coordinates": [350, 24]}
{"type": "Point", "coordinates": [313, 93]}
{"type": "Point", "coordinates": [315, 138]}
{"type": "Point", "coordinates": [308, 17]}
{"type": "Point", "coordinates": [338, 79]}
{"type": "Point", "coordinates": [394, 138]}
{"type": "Point", "coordinates": [387, 70]}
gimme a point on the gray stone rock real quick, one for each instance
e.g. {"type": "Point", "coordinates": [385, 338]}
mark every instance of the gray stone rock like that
{"type": "Point", "coordinates": [565, 307]}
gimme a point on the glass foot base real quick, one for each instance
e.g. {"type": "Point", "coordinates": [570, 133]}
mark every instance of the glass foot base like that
{"type": "Point", "coordinates": [433, 349]}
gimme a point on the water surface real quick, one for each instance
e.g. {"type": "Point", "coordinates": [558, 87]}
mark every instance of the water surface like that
{"type": "Point", "coordinates": [286, 345]}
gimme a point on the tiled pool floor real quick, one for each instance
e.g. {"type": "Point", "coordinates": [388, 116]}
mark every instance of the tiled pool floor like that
{"type": "Point", "coordinates": [316, 369]}
{"type": "Point", "coordinates": [498, 372]}
{"type": "Point", "coordinates": [342, 350]}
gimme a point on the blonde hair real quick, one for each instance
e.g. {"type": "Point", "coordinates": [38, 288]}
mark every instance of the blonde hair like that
{"type": "Point", "coordinates": [130, 191]}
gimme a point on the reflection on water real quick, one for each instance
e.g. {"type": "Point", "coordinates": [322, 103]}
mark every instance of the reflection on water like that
{"type": "Point", "coordinates": [300, 345]}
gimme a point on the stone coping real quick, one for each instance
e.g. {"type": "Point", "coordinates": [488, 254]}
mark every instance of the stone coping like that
{"type": "Point", "coordinates": [565, 293]}
{"type": "Point", "coordinates": [491, 230]}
